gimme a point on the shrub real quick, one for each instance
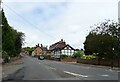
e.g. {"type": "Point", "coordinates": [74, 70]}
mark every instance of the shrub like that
{"type": "Point", "coordinates": [89, 56]}
{"type": "Point", "coordinates": [63, 56]}
{"type": "Point", "coordinates": [47, 56]}
{"type": "Point", "coordinates": [78, 54]}
{"type": "Point", "coordinates": [5, 56]}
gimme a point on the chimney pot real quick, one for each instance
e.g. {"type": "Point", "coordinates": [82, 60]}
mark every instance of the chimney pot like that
{"type": "Point", "coordinates": [62, 40]}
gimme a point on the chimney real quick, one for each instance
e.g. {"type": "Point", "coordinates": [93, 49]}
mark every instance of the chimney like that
{"type": "Point", "coordinates": [41, 45]}
{"type": "Point", "coordinates": [61, 40]}
{"type": "Point", "coordinates": [38, 45]}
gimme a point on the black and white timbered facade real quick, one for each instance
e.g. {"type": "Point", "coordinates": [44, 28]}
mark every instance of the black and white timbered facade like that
{"type": "Point", "coordinates": [60, 48]}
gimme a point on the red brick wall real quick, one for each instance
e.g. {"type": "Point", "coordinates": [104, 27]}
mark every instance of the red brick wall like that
{"type": "Point", "coordinates": [38, 51]}
{"type": "Point", "coordinates": [101, 62]}
{"type": "Point", "coordinates": [69, 60]}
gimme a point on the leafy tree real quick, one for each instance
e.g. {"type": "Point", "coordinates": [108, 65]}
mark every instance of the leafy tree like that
{"type": "Point", "coordinates": [11, 39]}
{"type": "Point", "coordinates": [104, 40]}
{"type": "Point", "coordinates": [18, 42]}
{"type": "Point", "coordinates": [29, 49]}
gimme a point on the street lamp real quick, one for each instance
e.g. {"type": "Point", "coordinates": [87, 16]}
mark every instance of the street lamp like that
{"type": "Point", "coordinates": [113, 49]}
{"type": "Point", "coordinates": [1, 25]}
{"type": "Point", "coordinates": [112, 56]}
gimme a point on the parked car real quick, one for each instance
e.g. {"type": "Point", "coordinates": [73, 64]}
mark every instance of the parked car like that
{"type": "Point", "coordinates": [41, 57]}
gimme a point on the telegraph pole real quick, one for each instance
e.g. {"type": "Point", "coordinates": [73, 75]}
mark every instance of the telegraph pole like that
{"type": "Point", "coordinates": [119, 12]}
{"type": "Point", "coordinates": [0, 4]}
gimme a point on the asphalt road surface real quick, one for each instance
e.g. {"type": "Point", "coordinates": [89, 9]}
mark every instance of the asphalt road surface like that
{"type": "Point", "coordinates": [34, 69]}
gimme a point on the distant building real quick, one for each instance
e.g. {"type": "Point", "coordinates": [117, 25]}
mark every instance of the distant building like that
{"type": "Point", "coordinates": [61, 48]}
{"type": "Point", "coordinates": [119, 12]}
{"type": "Point", "coordinates": [24, 52]}
{"type": "Point", "coordinates": [39, 50]}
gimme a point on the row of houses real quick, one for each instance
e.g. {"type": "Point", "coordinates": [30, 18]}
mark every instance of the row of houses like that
{"type": "Point", "coordinates": [56, 49]}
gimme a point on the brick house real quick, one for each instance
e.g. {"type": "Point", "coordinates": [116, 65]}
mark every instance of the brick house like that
{"type": "Point", "coordinates": [39, 50]}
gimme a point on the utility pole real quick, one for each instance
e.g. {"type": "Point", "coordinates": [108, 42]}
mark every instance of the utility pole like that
{"type": "Point", "coordinates": [0, 4]}
{"type": "Point", "coordinates": [119, 12]}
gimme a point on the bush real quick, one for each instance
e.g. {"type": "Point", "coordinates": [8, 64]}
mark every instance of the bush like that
{"type": "Point", "coordinates": [63, 56]}
{"type": "Point", "coordinates": [89, 56]}
{"type": "Point", "coordinates": [5, 56]}
{"type": "Point", "coordinates": [46, 56]}
{"type": "Point", "coordinates": [37, 55]}
{"type": "Point", "coordinates": [78, 54]}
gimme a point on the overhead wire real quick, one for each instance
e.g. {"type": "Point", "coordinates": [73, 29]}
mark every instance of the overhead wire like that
{"type": "Point", "coordinates": [27, 20]}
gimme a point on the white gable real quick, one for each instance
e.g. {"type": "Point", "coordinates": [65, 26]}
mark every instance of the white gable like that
{"type": "Point", "coordinates": [67, 47]}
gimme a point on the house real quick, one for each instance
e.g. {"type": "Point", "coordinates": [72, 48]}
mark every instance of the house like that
{"type": "Point", "coordinates": [39, 50]}
{"type": "Point", "coordinates": [61, 48]}
{"type": "Point", "coordinates": [24, 52]}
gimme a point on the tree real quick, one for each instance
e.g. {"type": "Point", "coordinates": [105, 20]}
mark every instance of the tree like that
{"type": "Point", "coordinates": [18, 42]}
{"type": "Point", "coordinates": [104, 41]}
{"type": "Point", "coordinates": [29, 49]}
{"type": "Point", "coordinates": [12, 40]}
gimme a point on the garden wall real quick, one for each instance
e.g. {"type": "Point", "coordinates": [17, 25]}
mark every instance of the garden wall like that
{"type": "Point", "coordinates": [100, 62]}
{"type": "Point", "coordinates": [69, 60]}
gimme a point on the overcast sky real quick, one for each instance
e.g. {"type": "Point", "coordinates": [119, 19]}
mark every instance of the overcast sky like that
{"type": "Point", "coordinates": [48, 21]}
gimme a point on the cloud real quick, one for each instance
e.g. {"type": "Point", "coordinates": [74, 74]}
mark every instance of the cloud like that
{"type": "Point", "coordinates": [60, 0]}
{"type": "Point", "coordinates": [51, 21]}
{"type": "Point", "coordinates": [34, 0]}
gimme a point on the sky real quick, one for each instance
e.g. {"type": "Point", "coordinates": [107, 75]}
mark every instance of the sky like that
{"type": "Point", "coordinates": [48, 21]}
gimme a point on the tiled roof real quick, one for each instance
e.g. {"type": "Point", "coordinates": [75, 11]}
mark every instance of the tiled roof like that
{"type": "Point", "coordinates": [41, 47]}
{"type": "Point", "coordinates": [58, 45]}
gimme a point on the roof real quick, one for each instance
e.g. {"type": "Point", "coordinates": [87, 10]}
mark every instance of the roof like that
{"type": "Point", "coordinates": [42, 48]}
{"type": "Point", "coordinates": [59, 45]}
{"type": "Point", "coordinates": [69, 46]}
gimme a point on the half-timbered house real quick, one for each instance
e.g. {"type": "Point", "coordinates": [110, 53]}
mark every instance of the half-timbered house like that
{"type": "Point", "coordinates": [61, 48]}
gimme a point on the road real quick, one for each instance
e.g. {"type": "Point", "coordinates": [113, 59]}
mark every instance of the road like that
{"type": "Point", "coordinates": [34, 69]}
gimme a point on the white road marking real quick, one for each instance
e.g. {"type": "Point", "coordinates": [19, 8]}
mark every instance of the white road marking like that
{"type": "Point", "coordinates": [75, 74]}
{"type": "Point", "coordinates": [52, 68]}
{"type": "Point", "coordinates": [104, 75]}
{"type": "Point", "coordinates": [110, 70]}
{"type": "Point", "coordinates": [39, 63]}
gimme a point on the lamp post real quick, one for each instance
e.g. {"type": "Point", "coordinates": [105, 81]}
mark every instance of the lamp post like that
{"type": "Point", "coordinates": [112, 57]}
{"type": "Point", "coordinates": [113, 49]}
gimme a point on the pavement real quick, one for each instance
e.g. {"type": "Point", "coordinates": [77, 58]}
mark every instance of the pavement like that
{"type": "Point", "coordinates": [96, 66]}
{"type": "Point", "coordinates": [10, 68]}
{"type": "Point", "coordinates": [30, 68]}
